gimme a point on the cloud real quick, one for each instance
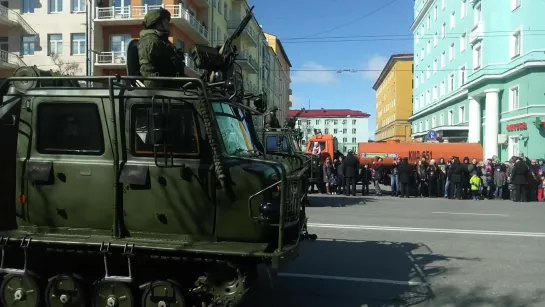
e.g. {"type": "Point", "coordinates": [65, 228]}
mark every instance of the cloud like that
{"type": "Point", "coordinates": [314, 73]}
{"type": "Point", "coordinates": [374, 67]}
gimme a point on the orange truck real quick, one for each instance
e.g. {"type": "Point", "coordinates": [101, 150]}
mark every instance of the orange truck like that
{"type": "Point", "coordinates": [328, 144]}
{"type": "Point", "coordinates": [391, 150]}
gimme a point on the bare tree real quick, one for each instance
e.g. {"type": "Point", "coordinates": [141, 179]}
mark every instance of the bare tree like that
{"type": "Point", "coordinates": [64, 68]}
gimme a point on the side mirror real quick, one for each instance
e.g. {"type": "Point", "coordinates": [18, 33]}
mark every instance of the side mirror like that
{"type": "Point", "coordinates": [156, 127]}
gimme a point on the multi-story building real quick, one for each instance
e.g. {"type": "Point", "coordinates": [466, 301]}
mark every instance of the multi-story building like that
{"type": "Point", "coordinates": [394, 90]}
{"type": "Point", "coordinates": [478, 71]}
{"type": "Point", "coordinates": [31, 32]}
{"type": "Point", "coordinates": [349, 126]}
{"type": "Point", "coordinates": [279, 83]}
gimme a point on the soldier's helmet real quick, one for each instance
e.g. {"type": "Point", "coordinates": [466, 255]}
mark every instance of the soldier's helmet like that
{"type": "Point", "coordinates": [155, 16]}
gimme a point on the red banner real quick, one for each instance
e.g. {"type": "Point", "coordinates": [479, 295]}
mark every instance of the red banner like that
{"type": "Point", "coordinates": [517, 126]}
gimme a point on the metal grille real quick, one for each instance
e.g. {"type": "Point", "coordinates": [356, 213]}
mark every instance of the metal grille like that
{"type": "Point", "coordinates": [293, 202]}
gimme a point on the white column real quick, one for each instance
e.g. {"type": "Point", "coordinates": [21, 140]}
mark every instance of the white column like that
{"type": "Point", "coordinates": [492, 117]}
{"type": "Point", "coordinates": [475, 125]}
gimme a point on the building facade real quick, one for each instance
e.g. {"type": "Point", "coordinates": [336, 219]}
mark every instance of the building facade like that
{"type": "Point", "coordinates": [31, 32]}
{"type": "Point", "coordinates": [394, 90]}
{"type": "Point", "coordinates": [280, 80]}
{"type": "Point", "coordinates": [349, 126]}
{"type": "Point", "coordinates": [478, 71]}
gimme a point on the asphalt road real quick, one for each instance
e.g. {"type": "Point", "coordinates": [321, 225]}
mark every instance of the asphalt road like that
{"type": "Point", "coordinates": [385, 251]}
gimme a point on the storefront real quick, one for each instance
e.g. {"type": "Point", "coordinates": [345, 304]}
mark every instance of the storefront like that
{"type": "Point", "coordinates": [525, 135]}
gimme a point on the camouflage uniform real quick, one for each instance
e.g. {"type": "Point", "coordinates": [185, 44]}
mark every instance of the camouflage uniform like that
{"type": "Point", "coordinates": [156, 54]}
{"type": "Point", "coordinates": [270, 120]}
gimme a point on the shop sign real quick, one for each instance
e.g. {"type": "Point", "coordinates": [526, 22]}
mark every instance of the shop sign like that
{"type": "Point", "coordinates": [517, 126]}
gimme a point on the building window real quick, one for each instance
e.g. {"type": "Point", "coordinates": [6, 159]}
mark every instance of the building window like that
{"type": "Point", "coordinates": [353, 140]}
{"type": "Point", "coordinates": [463, 42]}
{"type": "Point", "coordinates": [353, 122]}
{"type": "Point", "coordinates": [435, 39]}
{"type": "Point", "coordinates": [79, 5]}
{"type": "Point", "coordinates": [451, 52]}
{"type": "Point", "coordinates": [416, 103]}
{"type": "Point", "coordinates": [514, 98]}
{"type": "Point", "coordinates": [443, 56]}
{"type": "Point", "coordinates": [428, 97]}
{"type": "Point", "coordinates": [55, 6]}
{"type": "Point", "coordinates": [345, 140]}
{"type": "Point", "coordinates": [515, 4]}
{"type": "Point", "coordinates": [422, 53]}
{"type": "Point", "coordinates": [420, 127]}
{"type": "Point", "coordinates": [225, 11]}
{"type": "Point", "coordinates": [513, 146]}
{"type": "Point", "coordinates": [327, 121]}
{"type": "Point", "coordinates": [317, 122]}
{"type": "Point", "coordinates": [69, 128]}
{"type": "Point", "coordinates": [516, 42]}
{"type": "Point", "coordinates": [443, 4]}
{"type": "Point", "coordinates": [353, 130]}
{"type": "Point", "coordinates": [442, 89]}
{"type": "Point", "coordinates": [449, 118]}
{"type": "Point", "coordinates": [441, 119]}
{"type": "Point", "coordinates": [344, 131]}
{"type": "Point", "coordinates": [451, 83]}
{"type": "Point", "coordinates": [416, 82]}
{"type": "Point", "coordinates": [334, 131]}
{"type": "Point", "coordinates": [461, 114]}
{"type": "Point", "coordinates": [452, 20]}
{"type": "Point", "coordinates": [429, 22]}
{"type": "Point", "coordinates": [427, 124]}
{"type": "Point", "coordinates": [78, 44]}
{"type": "Point", "coordinates": [463, 9]}
{"type": "Point", "coordinates": [219, 6]}
{"type": "Point", "coordinates": [421, 77]}
{"type": "Point", "coordinates": [435, 93]}
{"type": "Point", "coordinates": [428, 72]}
{"type": "Point", "coordinates": [28, 43]}
{"type": "Point", "coordinates": [334, 122]}
{"type": "Point", "coordinates": [428, 47]}
{"type": "Point", "coordinates": [444, 30]}
{"type": "Point", "coordinates": [477, 14]}
{"type": "Point", "coordinates": [435, 13]}
{"type": "Point", "coordinates": [462, 75]}
{"type": "Point", "coordinates": [28, 6]}
{"type": "Point", "coordinates": [435, 66]}
{"type": "Point", "coordinates": [477, 57]}
{"type": "Point", "coordinates": [433, 123]}
{"type": "Point", "coordinates": [326, 130]}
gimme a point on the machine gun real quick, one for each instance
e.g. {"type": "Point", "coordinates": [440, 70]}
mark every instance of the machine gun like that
{"type": "Point", "coordinates": [218, 61]}
{"type": "Point", "coordinates": [290, 122]}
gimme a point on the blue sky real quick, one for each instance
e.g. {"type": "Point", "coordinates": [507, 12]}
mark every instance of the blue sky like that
{"type": "Point", "coordinates": [289, 19]}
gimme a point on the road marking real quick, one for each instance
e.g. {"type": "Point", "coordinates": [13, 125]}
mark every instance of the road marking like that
{"type": "Point", "coordinates": [463, 213]}
{"type": "Point", "coordinates": [356, 279]}
{"type": "Point", "coordinates": [431, 230]}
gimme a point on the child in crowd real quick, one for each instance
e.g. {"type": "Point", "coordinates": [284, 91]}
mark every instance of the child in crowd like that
{"type": "Point", "coordinates": [476, 185]}
{"type": "Point", "coordinates": [541, 186]}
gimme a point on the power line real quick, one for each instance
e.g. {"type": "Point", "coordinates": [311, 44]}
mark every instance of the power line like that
{"type": "Point", "coordinates": [402, 35]}
{"type": "Point", "coordinates": [354, 21]}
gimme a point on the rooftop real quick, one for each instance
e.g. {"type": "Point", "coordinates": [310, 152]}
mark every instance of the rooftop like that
{"type": "Point", "coordinates": [393, 59]}
{"type": "Point", "coordinates": [330, 113]}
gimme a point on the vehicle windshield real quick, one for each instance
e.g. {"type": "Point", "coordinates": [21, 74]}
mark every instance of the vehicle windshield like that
{"type": "Point", "coordinates": [277, 143]}
{"type": "Point", "coordinates": [234, 130]}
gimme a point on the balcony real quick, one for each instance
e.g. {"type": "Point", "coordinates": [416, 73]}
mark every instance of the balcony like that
{"type": "Point", "coordinates": [476, 34]}
{"type": "Point", "coordinates": [247, 62]}
{"type": "Point", "coordinates": [11, 18]}
{"type": "Point", "coordinates": [10, 60]}
{"type": "Point", "coordinates": [249, 34]}
{"type": "Point", "coordinates": [111, 59]}
{"type": "Point", "coordinates": [134, 15]}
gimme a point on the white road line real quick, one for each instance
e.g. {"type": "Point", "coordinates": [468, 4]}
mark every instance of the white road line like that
{"type": "Point", "coordinates": [431, 230]}
{"type": "Point", "coordinates": [463, 213]}
{"type": "Point", "coordinates": [356, 279]}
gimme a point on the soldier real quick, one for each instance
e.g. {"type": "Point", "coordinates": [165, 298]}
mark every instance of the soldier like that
{"type": "Point", "coordinates": [270, 120]}
{"type": "Point", "coordinates": [156, 54]}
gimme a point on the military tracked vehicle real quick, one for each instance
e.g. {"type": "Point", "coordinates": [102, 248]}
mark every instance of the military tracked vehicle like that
{"type": "Point", "coordinates": [120, 195]}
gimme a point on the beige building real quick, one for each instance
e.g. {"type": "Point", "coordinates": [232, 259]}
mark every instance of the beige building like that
{"type": "Point", "coordinates": [279, 81]}
{"type": "Point", "coordinates": [31, 33]}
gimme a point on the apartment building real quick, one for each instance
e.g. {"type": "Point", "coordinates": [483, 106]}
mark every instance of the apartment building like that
{"type": "Point", "coordinates": [280, 80]}
{"type": "Point", "coordinates": [478, 74]}
{"type": "Point", "coordinates": [349, 126]}
{"type": "Point", "coordinates": [394, 90]}
{"type": "Point", "coordinates": [30, 32]}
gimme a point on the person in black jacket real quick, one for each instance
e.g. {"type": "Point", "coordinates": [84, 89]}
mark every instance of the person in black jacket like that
{"type": "Point", "coordinates": [520, 180]}
{"type": "Point", "coordinates": [365, 177]}
{"type": "Point", "coordinates": [350, 173]}
{"type": "Point", "coordinates": [340, 175]}
{"type": "Point", "coordinates": [456, 173]}
{"type": "Point", "coordinates": [404, 173]}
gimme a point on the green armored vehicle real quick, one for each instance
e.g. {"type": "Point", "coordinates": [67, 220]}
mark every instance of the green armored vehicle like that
{"type": "Point", "coordinates": [123, 195]}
